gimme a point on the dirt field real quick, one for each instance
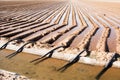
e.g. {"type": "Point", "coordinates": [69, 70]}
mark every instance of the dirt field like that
{"type": "Point", "coordinates": [84, 29]}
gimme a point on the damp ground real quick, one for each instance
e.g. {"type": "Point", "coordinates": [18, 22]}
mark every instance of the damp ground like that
{"type": "Point", "coordinates": [47, 70]}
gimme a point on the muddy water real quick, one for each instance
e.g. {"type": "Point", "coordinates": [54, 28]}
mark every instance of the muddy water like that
{"type": "Point", "coordinates": [111, 41]}
{"type": "Point", "coordinates": [96, 37]}
{"type": "Point", "coordinates": [111, 38]}
{"type": "Point", "coordinates": [47, 70]}
{"type": "Point", "coordinates": [79, 37]}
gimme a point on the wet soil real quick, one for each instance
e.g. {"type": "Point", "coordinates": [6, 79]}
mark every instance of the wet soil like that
{"type": "Point", "coordinates": [47, 70]}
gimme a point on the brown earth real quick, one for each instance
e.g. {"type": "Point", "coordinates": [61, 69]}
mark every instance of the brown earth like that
{"type": "Point", "coordinates": [47, 70]}
{"type": "Point", "coordinates": [94, 26]}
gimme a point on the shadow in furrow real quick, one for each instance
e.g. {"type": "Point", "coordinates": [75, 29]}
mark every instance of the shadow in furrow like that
{"type": "Point", "coordinates": [51, 41]}
{"type": "Point", "coordinates": [106, 46]}
{"type": "Point", "coordinates": [95, 31]}
{"type": "Point", "coordinates": [15, 33]}
{"type": "Point", "coordinates": [106, 42]}
{"type": "Point", "coordinates": [70, 41]}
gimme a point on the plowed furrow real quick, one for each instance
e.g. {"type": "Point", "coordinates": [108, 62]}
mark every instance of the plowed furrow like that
{"type": "Point", "coordinates": [73, 24]}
